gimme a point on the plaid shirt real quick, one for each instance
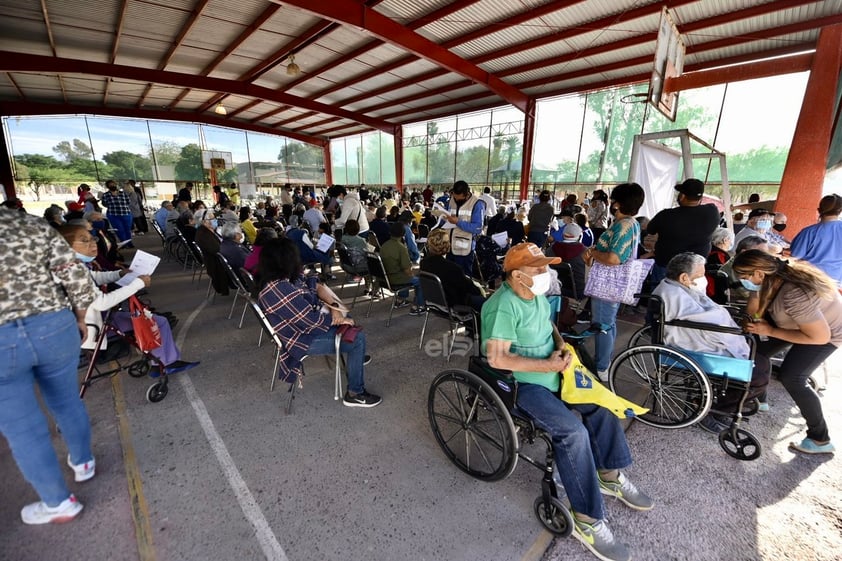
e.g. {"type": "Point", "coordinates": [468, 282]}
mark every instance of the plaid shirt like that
{"type": "Point", "coordinates": [293, 311]}
{"type": "Point", "coordinates": [118, 203]}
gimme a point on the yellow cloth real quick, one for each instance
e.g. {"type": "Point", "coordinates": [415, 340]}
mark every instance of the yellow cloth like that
{"type": "Point", "coordinates": [578, 385]}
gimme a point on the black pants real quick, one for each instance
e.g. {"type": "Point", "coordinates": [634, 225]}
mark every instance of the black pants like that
{"type": "Point", "coordinates": [798, 365]}
{"type": "Point", "coordinates": [757, 386]}
{"type": "Point", "coordinates": [140, 224]}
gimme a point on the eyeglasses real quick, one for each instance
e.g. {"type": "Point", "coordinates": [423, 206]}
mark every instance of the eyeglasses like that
{"type": "Point", "coordinates": [92, 240]}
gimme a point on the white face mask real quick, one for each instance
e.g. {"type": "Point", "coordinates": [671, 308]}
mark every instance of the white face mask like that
{"type": "Point", "coordinates": [541, 283]}
{"type": "Point", "coordinates": [700, 285]}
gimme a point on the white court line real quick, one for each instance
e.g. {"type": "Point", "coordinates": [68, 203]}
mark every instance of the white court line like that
{"type": "Point", "coordinates": [268, 542]}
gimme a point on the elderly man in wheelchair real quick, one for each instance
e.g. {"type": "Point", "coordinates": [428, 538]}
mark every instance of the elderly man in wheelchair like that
{"type": "Point", "coordinates": [684, 298]}
{"type": "Point", "coordinates": [588, 443]}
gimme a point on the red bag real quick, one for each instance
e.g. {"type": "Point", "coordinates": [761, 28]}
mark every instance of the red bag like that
{"type": "Point", "coordinates": [146, 332]}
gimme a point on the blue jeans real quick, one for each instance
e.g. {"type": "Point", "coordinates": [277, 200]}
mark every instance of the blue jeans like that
{"type": "Point", "coordinates": [538, 238]}
{"type": "Point", "coordinates": [581, 447]}
{"type": "Point", "coordinates": [464, 261]}
{"type": "Point", "coordinates": [419, 296]}
{"type": "Point", "coordinates": [43, 349]}
{"type": "Point", "coordinates": [325, 344]}
{"type": "Point", "coordinates": [604, 312]}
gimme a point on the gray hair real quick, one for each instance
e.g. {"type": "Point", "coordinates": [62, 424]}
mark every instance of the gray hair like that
{"type": "Point", "coordinates": [90, 214]}
{"type": "Point", "coordinates": [720, 235]}
{"type": "Point", "coordinates": [205, 214]}
{"type": "Point", "coordinates": [683, 263]}
{"type": "Point", "coordinates": [750, 242]}
{"type": "Point", "coordinates": [229, 230]}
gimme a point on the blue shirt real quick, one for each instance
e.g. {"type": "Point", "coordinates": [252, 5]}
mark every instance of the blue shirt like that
{"type": "Point", "coordinates": [821, 245]}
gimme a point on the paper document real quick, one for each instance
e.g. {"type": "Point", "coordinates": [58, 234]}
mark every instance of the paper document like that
{"type": "Point", "coordinates": [142, 264]}
{"type": "Point", "coordinates": [325, 241]}
{"type": "Point", "coordinates": [501, 239]}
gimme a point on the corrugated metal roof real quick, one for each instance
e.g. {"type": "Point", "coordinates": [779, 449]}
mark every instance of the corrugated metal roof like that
{"type": "Point", "coordinates": [568, 50]}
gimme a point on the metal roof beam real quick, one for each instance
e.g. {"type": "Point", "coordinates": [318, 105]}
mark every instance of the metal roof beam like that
{"type": "Point", "coordinates": [17, 62]}
{"type": "Point", "coordinates": [352, 13]}
{"type": "Point", "coordinates": [15, 108]}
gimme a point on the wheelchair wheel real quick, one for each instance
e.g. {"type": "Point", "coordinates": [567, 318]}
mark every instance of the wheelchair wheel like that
{"type": "Point", "coordinates": [180, 251]}
{"type": "Point", "coordinates": [555, 517]}
{"type": "Point", "coordinates": [642, 336]}
{"type": "Point", "coordinates": [668, 383]}
{"type": "Point", "coordinates": [139, 368]}
{"type": "Point", "coordinates": [472, 426]}
{"type": "Point", "coordinates": [741, 445]}
{"type": "Point", "coordinates": [157, 392]}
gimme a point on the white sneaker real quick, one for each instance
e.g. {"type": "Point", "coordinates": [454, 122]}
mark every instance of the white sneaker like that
{"type": "Point", "coordinates": [82, 472]}
{"type": "Point", "coordinates": [40, 513]}
{"type": "Point", "coordinates": [603, 375]}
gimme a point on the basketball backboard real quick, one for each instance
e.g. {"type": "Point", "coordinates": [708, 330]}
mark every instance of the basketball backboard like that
{"type": "Point", "coordinates": [668, 63]}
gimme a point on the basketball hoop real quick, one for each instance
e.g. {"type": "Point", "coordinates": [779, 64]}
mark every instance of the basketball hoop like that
{"type": "Point", "coordinates": [642, 97]}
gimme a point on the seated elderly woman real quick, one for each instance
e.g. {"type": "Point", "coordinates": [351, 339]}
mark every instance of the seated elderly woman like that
{"type": "Point", "coordinates": [168, 355]}
{"type": "Point", "coordinates": [458, 288]}
{"type": "Point", "coordinates": [231, 246]}
{"type": "Point", "coordinates": [263, 236]}
{"type": "Point", "coordinates": [684, 298]}
{"type": "Point", "coordinates": [306, 316]}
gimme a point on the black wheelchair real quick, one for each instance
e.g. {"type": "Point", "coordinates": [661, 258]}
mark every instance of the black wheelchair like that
{"type": "Point", "coordinates": [680, 387]}
{"type": "Point", "coordinates": [474, 418]}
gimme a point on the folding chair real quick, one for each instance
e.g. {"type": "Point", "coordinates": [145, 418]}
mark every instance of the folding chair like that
{"type": "Point", "coordinates": [238, 284]}
{"type": "Point", "coordinates": [381, 279]}
{"type": "Point", "coordinates": [350, 270]}
{"type": "Point", "coordinates": [279, 345]}
{"type": "Point", "coordinates": [436, 302]}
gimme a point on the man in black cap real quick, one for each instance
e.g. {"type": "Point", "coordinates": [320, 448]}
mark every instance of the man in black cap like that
{"type": "Point", "coordinates": [687, 227]}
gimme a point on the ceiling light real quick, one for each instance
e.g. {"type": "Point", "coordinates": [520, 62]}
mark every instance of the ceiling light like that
{"type": "Point", "coordinates": [292, 68]}
{"type": "Point", "coordinates": [220, 109]}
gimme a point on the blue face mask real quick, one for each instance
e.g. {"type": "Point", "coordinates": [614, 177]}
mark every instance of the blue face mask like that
{"type": "Point", "coordinates": [764, 224]}
{"type": "Point", "coordinates": [84, 258]}
{"type": "Point", "coordinates": [750, 286]}
{"type": "Point", "coordinates": [214, 222]}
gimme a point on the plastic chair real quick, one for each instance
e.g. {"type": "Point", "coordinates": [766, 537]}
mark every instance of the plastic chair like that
{"type": "Point", "coordinates": [436, 302]}
{"type": "Point", "coordinates": [381, 279]}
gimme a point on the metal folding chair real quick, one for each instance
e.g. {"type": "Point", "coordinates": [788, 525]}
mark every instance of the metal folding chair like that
{"type": "Point", "coordinates": [436, 302]}
{"type": "Point", "coordinates": [381, 280]}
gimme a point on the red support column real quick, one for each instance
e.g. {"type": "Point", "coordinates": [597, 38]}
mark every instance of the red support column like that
{"type": "Point", "coordinates": [398, 139]}
{"type": "Point", "coordinates": [806, 165]}
{"type": "Point", "coordinates": [528, 145]}
{"type": "Point", "coordinates": [328, 163]}
{"type": "Point", "coordinates": [7, 174]}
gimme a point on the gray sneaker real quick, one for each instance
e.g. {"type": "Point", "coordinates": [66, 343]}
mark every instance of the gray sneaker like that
{"type": "Point", "coordinates": [627, 492]}
{"type": "Point", "coordinates": [597, 537]}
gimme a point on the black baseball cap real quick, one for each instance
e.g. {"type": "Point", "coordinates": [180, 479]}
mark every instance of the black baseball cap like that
{"type": "Point", "coordinates": [692, 188]}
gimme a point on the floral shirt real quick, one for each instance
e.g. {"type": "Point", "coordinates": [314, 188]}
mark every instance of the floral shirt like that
{"type": "Point", "coordinates": [40, 272]}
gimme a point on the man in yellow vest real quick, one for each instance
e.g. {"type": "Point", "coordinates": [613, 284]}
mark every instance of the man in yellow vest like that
{"type": "Point", "coordinates": [465, 222]}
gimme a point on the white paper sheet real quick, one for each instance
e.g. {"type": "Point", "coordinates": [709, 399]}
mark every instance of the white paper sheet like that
{"type": "Point", "coordinates": [142, 264]}
{"type": "Point", "coordinates": [501, 239]}
{"type": "Point", "coordinates": [325, 241]}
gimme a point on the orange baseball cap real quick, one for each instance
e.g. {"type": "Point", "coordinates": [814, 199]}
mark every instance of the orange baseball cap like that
{"type": "Point", "coordinates": [527, 255]}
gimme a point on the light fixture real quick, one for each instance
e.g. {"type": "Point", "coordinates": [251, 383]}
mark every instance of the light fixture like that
{"type": "Point", "coordinates": [220, 109]}
{"type": "Point", "coordinates": [292, 68]}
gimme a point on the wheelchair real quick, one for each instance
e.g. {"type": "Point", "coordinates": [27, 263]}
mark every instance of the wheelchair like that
{"type": "Point", "coordinates": [680, 387]}
{"type": "Point", "coordinates": [475, 420]}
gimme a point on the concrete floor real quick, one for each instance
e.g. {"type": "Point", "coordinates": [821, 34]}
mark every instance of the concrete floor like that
{"type": "Point", "coordinates": [222, 474]}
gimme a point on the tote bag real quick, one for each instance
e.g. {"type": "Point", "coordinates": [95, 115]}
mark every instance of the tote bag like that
{"type": "Point", "coordinates": [146, 332]}
{"type": "Point", "coordinates": [618, 283]}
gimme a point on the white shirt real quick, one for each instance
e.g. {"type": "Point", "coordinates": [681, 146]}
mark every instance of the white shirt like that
{"type": "Point", "coordinates": [490, 204]}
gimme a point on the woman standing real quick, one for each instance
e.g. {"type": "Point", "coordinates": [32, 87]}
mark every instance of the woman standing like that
{"type": "Point", "coordinates": [136, 205]}
{"type": "Point", "coordinates": [598, 213]}
{"type": "Point", "coordinates": [615, 246]}
{"type": "Point", "coordinates": [805, 310]}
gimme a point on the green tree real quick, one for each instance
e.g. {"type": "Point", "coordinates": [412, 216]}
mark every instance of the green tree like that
{"type": "Point", "coordinates": [189, 165]}
{"type": "Point", "coordinates": [75, 150]}
{"type": "Point", "coordinates": [472, 164]}
{"type": "Point", "coordinates": [126, 165]}
{"type": "Point", "coordinates": [166, 153]}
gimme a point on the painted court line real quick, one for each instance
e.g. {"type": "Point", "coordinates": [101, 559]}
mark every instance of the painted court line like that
{"type": "Point", "coordinates": [140, 512]}
{"type": "Point", "coordinates": [266, 538]}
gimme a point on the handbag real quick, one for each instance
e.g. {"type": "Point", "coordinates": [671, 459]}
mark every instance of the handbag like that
{"type": "Point", "coordinates": [349, 332]}
{"type": "Point", "coordinates": [618, 283]}
{"type": "Point", "coordinates": [146, 332]}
